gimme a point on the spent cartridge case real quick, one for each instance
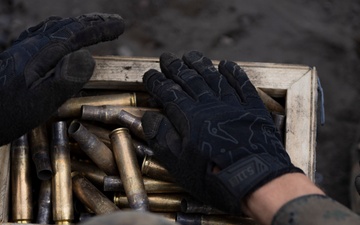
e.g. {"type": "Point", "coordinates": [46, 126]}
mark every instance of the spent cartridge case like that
{"type": "Point", "coordinates": [76, 151]}
{"type": "Point", "coordinates": [121, 117]}
{"type": "Point", "coordinates": [113, 183]}
{"type": "Point", "coordinates": [128, 166]}
{"type": "Point", "coordinates": [91, 197]}
{"type": "Point", "coordinates": [133, 123]}
{"type": "Point", "coordinates": [100, 132]}
{"type": "Point", "coordinates": [190, 205]}
{"type": "Point", "coordinates": [21, 181]}
{"type": "Point", "coordinates": [271, 104]}
{"type": "Point", "coordinates": [72, 107]}
{"type": "Point", "coordinates": [153, 169]}
{"type": "Point", "coordinates": [143, 99]}
{"type": "Point", "coordinates": [62, 207]}
{"type": "Point", "coordinates": [157, 202]}
{"type": "Point", "coordinates": [39, 146]}
{"type": "Point", "coordinates": [97, 151]}
{"type": "Point", "coordinates": [201, 219]}
{"type": "Point", "coordinates": [89, 170]}
{"type": "Point", "coordinates": [4, 182]}
{"type": "Point", "coordinates": [279, 121]}
{"type": "Point", "coordinates": [141, 149]}
{"type": "Point", "coordinates": [109, 114]}
{"type": "Point", "coordinates": [85, 216]}
{"type": "Point", "coordinates": [44, 205]}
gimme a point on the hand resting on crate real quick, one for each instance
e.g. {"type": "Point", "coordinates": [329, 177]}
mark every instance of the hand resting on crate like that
{"type": "Point", "coordinates": [218, 141]}
{"type": "Point", "coordinates": [44, 67]}
{"type": "Point", "coordinates": [215, 118]}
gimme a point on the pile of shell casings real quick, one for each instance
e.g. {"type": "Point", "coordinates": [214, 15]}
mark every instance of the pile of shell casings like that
{"type": "Point", "coordinates": [91, 159]}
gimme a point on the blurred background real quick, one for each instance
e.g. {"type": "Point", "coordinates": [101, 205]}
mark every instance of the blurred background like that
{"type": "Point", "coordinates": [320, 33]}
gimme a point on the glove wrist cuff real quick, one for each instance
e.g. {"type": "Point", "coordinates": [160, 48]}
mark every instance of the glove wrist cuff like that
{"type": "Point", "coordinates": [245, 176]}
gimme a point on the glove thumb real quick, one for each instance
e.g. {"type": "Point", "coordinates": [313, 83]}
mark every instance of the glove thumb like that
{"type": "Point", "coordinates": [25, 108]}
{"type": "Point", "coordinates": [72, 72]}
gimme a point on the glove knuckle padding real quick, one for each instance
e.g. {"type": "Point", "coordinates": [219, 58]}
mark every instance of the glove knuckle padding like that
{"type": "Point", "coordinates": [38, 49]}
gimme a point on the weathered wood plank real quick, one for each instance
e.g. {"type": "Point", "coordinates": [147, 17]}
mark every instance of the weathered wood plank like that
{"type": "Point", "coordinates": [126, 74]}
{"type": "Point", "coordinates": [300, 123]}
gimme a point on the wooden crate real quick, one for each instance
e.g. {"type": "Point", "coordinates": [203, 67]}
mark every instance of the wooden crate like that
{"type": "Point", "coordinates": [296, 84]}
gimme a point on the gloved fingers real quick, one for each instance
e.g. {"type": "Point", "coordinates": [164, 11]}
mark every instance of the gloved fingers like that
{"type": "Point", "coordinates": [162, 137]}
{"type": "Point", "coordinates": [79, 31]}
{"type": "Point", "coordinates": [40, 27]}
{"type": "Point", "coordinates": [165, 90]}
{"type": "Point", "coordinates": [190, 81]}
{"type": "Point", "coordinates": [216, 81]}
{"type": "Point", "coordinates": [58, 37]}
{"type": "Point", "coordinates": [172, 98]}
{"type": "Point", "coordinates": [239, 80]}
{"type": "Point", "coordinates": [76, 67]}
{"type": "Point", "coordinates": [96, 27]}
{"type": "Point", "coordinates": [171, 65]}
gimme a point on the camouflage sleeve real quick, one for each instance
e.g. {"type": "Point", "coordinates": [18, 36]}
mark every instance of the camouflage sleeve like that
{"type": "Point", "coordinates": [315, 209]}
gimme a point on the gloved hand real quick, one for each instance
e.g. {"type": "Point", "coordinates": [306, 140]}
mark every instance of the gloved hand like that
{"type": "Point", "coordinates": [214, 119]}
{"type": "Point", "coordinates": [43, 68]}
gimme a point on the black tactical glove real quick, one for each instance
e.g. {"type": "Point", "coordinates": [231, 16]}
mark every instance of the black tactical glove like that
{"type": "Point", "coordinates": [213, 119]}
{"type": "Point", "coordinates": [41, 70]}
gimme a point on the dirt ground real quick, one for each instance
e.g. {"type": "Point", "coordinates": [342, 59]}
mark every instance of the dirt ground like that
{"type": "Point", "coordinates": [324, 34]}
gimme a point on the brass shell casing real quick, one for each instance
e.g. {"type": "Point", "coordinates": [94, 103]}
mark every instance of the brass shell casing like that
{"type": "Point", "coordinates": [44, 208]}
{"type": "Point", "coordinates": [72, 107]}
{"type": "Point", "coordinates": [190, 205]}
{"type": "Point", "coordinates": [141, 149]}
{"type": "Point", "coordinates": [271, 104]}
{"type": "Point", "coordinates": [39, 145]}
{"type": "Point", "coordinates": [279, 121]}
{"type": "Point", "coordinates": [109, 114]}
{"type": "Point", "coordinates": [63, 212]}
{"type": "Point", "coordinates": [22, 210]}
{"type": "Point", "coordinates": [114, 183]}
{"type": "Point", "coordinates": [157, 202]}
{"type": "Point", "coordinates": [97, 151]}
{"type": "Point", "coordinates": [130, 174]}
{"type": "Point", "coordinates": [91, 197]}
{"type": "Point", "coordinates": [151, 168]}
{"type": "Point", "coordinates": [133, 123]}
{"type": "Point", "coordinates": [201, 219]}
{"type": "Point", "coordinates": [99, 132]}
{"type": "Point", "coordinates": [89, 170]}
{"type": "Point", "coordinates": [4, 182]}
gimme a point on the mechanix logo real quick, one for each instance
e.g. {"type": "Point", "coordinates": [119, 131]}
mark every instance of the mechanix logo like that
{"type": "Point", "coordinates": [246, 172]}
